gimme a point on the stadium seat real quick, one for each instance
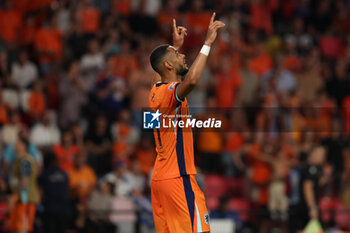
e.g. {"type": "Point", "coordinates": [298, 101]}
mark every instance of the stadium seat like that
{"type": "Point", "coordinates": [326, 205]}
{"type": "Point", "coordinates": [3, 210]}
{"type": "Point", "coordinates": [3, 216]}
{"type": "Point", "coordinates": [342, 216]}
{"type": "Point", "coordinates": [241, 206]}
{"type": "Point", "coordinates": [215, 186]}
{"type": "Point", "coordinates": [212, 203]}
{"type": "Point", "coordinates": [236, 187]}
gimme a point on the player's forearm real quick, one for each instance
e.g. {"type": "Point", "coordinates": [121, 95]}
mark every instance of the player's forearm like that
{"type": "Point", "coordinates": [192, 77]}
{"type": "Point", "coordinates": [196, 70]}
{"type": "Point", "coordinates": [309, 194]}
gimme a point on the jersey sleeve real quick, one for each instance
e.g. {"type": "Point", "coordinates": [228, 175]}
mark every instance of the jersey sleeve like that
{"type": "Point", "coordinates": [166, 96]}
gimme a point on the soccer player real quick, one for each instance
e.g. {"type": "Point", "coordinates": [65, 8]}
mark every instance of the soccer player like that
{"type": "Point", "coordinates": [177, 201]}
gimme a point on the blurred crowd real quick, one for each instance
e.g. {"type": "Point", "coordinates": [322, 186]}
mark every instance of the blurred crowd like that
{"type": "Point", "coordinates": [75, 75]}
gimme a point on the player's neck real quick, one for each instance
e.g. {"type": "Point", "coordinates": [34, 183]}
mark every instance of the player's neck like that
{"type": "Point", "coordinates": [171, 77]}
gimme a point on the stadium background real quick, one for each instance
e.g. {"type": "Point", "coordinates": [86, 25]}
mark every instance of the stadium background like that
{"type": "Point", "coordinates": [75, 76]}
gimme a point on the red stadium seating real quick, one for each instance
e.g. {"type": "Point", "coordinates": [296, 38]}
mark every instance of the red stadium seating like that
{"type": "Point", "coordinates": [342, 216]}
{"type": "Point", "coordinates": [326, 205]}
{"type": "Point", "coordinates": [215, 186]}
{"type": "Point", "coordinates": [3, 210]}
{"type": "Point", "coordinates": [241, 206]}
{"type": "Point", "coordinates": [212, 203]}
{"type": "Point", "coordinates": [3, 216]}
{"type": "Point", "coordinates": [236, 187]}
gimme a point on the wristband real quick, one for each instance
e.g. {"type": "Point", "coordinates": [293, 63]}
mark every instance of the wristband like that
{"type": "Point", "coordinates": [205, 50]}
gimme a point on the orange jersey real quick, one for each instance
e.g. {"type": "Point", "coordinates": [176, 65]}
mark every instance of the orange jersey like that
{"type": "Point", "coordinates": [174, 145]}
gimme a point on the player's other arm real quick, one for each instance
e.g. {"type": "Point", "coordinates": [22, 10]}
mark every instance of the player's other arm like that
{"type": "Point", "coordinates": [196, 70]}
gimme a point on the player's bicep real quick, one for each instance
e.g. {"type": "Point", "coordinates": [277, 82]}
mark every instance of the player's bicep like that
{"type": "Point", "coordinates": [184, 88]}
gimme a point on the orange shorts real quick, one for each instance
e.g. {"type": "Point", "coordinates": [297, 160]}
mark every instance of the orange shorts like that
{"type": "Point", "coordinates": [179, 206]}
{"type": "Point", "coordinates": [22, 217]}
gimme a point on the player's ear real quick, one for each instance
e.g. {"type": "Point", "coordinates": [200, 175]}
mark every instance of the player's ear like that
{"type": "Point", "coordinates": [168, 65]}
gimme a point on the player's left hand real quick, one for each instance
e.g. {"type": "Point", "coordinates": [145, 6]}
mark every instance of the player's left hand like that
{"type": "Point", "coordinates": [179, 33]}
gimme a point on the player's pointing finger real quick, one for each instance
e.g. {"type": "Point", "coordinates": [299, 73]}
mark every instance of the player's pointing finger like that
{"type": "Point", "coordinates": [212, 17]}
{"type": "Point", "coordinates": [174, 25]}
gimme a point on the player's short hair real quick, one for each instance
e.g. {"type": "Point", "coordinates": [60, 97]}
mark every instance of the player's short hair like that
{"type": "Point", "coordinates": [157, 56]}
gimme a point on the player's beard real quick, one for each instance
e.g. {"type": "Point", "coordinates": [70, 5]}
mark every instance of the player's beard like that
{"type": "Point", "coordinates": [182, 71]}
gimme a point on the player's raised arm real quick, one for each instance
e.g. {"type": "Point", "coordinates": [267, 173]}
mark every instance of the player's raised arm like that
{"type": "Point", "coordinates": [196, 70]}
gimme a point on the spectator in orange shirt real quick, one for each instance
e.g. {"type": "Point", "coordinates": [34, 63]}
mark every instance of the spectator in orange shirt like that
{"type": "Point", "coordinates": [261, 15]}
{"type": "Point", "coordinates": [66, 151]}
{"type": "Point", "coordinates": [292, 59]}
{"type": "Point", "coordinates": [210, 152]}
{"type": "Point", "coordinates": [166, 16]}
{"type": "Point", "coordinates": [197, 17]}
{"type": "Point", "coordinates": [262, 62]}
{"type": "Point", "coordinates": [145, 154]}
{"type": "Point", "coordinates": [10, 20]}
{"type": "Point", "coordinates": [48, 43]}
{"type": "Point", "coordinates": [82, 178]}
{"type": "Point", "coordinates": [122, 6]}
{"type": "Point", "coordinates": [228, 80]}
{"type": "Point", "coordinates": [89, 17]}
{"type": "Point", "coordinates": [327, 109]}
{"type": "Point", "coordinates": [198, 20]}
{"type": "Point", "coordinates": [37, 4]}
{"type": "Point", "coordinates": [21, 6]}
{"type": "Point", "coordinates": [231, 159]}
{"type": "Point", "coordinates": [260, 169]}
{"type": "Point", "coordinates": [125, 61]}
{"type": "Point", "coordinates": [123, 128]}
{"type": "Point", "coordinates": [82, 182]}
{"type": "Point", "coordinates": [125, 136]}
{"type": "Point", "coordinates": [36, 101]}
{"type": "Point", "coordinates": [27, 31]}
